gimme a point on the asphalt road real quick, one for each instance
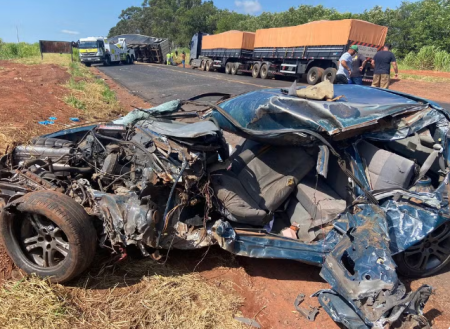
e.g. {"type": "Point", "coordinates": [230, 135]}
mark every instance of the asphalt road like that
{"type": "Point", "coordinates": [160, 83]}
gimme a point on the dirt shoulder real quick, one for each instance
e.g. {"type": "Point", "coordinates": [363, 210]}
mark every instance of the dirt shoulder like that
{"type": "Point", "coordinates": [427, 73]}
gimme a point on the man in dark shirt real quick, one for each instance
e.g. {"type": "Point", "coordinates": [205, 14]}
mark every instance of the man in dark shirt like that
{"type": "Point", "coordinates": [382, 64]}
{"type": "Point", "coordinates": [359, 61]}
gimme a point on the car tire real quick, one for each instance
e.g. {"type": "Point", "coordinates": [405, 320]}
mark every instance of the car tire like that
{"type": "Point", "coordinates": [264, 71]}
{"type": "Point", "coordinates": [88, 64]}
{"type": "Point", "coordinates": [228, 68]}
{"type": "Point", "coordinates": [255, 71]}
{"type": "Point", "coordinates": [208, 66]}
{"type": "Point", "coordinates": [132, 60]}
{"type": "Point", "coordinates": [234, 68]}
{"type": "Point", "coordinates": [314, 75]}
{"type": "Point", "coordinates": [48, 234]}
{"type": "Point", "coordinates": [202, 66]}
{"type": "Point", "coordinates": [190, 64]}
{"type": "Point", "coordinates": [329, 74]}
{"type": "Point", "coordinates": [427, 257]}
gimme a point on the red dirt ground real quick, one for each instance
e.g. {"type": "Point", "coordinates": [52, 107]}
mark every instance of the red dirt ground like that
{"type": "Point", "coordinates": [32, 93]}
{"type": "Point", "coordinates": [427, 73]}
{"type": "Point", "coordinates": [436, 91]}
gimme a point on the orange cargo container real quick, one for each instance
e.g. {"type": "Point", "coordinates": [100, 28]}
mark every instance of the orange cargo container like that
{"type": "Point", "coordinates": [322, 33]}
{"type": "Point", "coordinates": [229, 40]}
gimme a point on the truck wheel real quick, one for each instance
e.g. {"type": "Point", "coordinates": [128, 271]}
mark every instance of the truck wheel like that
{"type": "Point", "coordinates": [228, 68]}
{"type": "Point", "coordinates": [132, 60]}
{"type": "Point", "coordinates": [107, 61]}
{"type": "Point", "coordinates": [208, 66]}
{"type": "Point", "coordinates": [255, 71]}
{"type": "Point", "coordinates": [234, 68]}
{"type": "Point", "coordinates": [128, 60]}
{"type": "Point", "coordinates": [88, 64]}
{"type": "Point", "coordinates": [49, 234]}
{"type": "Point", "coordinates": [329, 74]}
{"type": "Point", "coordinates": [264, 72]}
{"type": "Point", "coordinates": [314, 75]}
{"type": "Point", "coordinates": [190, 64]}
{"type": "Point", "coordinates": [428, 256]}
{"type": "Point", "coordinates": [202, 66]}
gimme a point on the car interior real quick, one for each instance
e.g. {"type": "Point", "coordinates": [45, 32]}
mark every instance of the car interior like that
{"type": "Point", "coordinates": [278, 188]}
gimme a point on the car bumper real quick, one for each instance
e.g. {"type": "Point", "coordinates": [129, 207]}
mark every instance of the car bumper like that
{"type": "Point", "coordinates": [92, 59]}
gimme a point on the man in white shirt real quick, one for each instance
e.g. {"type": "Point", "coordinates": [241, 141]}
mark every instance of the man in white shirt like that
{"type": "Point", "coordinates": [345, 64]}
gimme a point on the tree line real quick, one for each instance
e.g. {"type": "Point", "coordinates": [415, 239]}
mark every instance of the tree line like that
{"type": "Point", "coordinates": [412, 25]}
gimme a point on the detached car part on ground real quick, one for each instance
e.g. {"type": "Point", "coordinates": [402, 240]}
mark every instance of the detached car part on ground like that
{"type": "Point", "coordinates": [358, 186]}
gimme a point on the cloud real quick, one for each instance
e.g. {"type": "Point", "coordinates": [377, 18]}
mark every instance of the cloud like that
{"type": "Point", "coordinates": [249, 6]}
{"type": "Point", "coordinates": [70, 32]}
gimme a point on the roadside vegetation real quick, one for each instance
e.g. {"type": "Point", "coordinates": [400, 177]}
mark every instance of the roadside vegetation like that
{"type": "Point", "coordinates": [139, 294]}
{"type": "Point", "coordinates": [427, 58]}
{"type": "Point", "coordinates": [18, 50]}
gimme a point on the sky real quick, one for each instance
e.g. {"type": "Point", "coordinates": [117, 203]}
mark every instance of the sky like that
{"type": "Point", "coordinates": [64, 20]}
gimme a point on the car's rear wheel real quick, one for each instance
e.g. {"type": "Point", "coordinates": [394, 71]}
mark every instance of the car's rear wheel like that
{"type": "Point", "coordinates": [87, 64]}
{"type": "Point", "coordinates": [202, 66]}
{"type": "Point", "coordinates": [208, 66]}
{"type": "Point", "coordinates": [48, 234]}
{"type": "Point", "coordinates": [428, 256]}
{"type": "Point", "coordinates": [329, 74]}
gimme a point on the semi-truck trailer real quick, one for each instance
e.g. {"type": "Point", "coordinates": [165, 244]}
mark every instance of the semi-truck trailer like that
{"type": "Point", "coordinates": [311, 49]}
{"type": "Point", "coordinates": [102, 51]}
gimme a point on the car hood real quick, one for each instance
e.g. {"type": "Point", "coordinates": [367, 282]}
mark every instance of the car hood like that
{"type": "Point", "coordinates": [360, 106]}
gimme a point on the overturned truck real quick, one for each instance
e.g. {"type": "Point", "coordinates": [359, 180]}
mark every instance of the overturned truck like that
{"type": "Point", "coordinates": [357, 185]}
{"type": "Point", "coordinates": [147, 49]}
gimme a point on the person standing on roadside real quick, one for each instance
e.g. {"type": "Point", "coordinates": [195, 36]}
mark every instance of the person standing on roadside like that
{"type": "Point", "coordinates": [168, 58]}
{"type": "Point", "coordinates": [359, 62]}
{"type": "Point", "coordinates": [345, 63]}
{"type": "Point", "coordinates": [381, 63]}
{"type": "Point", "coordinates": [183, 59]}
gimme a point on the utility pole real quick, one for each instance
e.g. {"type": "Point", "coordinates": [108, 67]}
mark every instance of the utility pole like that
{"type": "Point", "coordinates": [17, 30]}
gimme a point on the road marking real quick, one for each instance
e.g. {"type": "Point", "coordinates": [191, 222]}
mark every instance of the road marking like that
{"type": "Point", "coordinates": [161, 66]}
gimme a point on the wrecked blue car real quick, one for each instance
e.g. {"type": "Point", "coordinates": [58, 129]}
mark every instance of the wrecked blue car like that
{"type": "Point", "coordinates": [356, 182]}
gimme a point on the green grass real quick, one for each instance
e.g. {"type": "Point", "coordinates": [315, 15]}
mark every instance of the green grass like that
{"type": "Point", "coordinates": [423, 78]}
{"type": "Point", "coordinates": [18, 50]}
{"type": "Point", "coordinates": [80, 85]}
{"type": "Point", "coordinates": [75, 102]}
{"type": "Point", "coordinates": [427, 58]}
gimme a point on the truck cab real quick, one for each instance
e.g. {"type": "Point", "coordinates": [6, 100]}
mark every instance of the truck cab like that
{"type": "Point", "coordinates": [99, 50]}
{"type": "Point", "coordinates": [196, 49]}
{"type": "Point", "coordinates": [92, 50]}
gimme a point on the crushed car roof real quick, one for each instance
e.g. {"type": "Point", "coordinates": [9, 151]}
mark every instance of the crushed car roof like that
{"type": "Point", "coordinates": [360, 106]}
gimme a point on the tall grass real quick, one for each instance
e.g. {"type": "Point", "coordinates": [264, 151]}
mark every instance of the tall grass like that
{"type": "Point", "coordinates": [428, 58]}
{"type": "Point", "coordinates": [18, 50]}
